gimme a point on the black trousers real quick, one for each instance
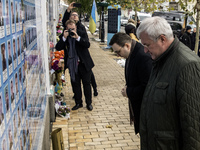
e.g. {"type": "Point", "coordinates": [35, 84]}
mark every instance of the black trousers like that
{"type": "Point", "coordinates": [83, 76]}
{"type": "Point", "coordinates": [93, 82]}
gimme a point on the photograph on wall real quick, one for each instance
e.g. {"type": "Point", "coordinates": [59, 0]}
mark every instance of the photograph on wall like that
{"type": "Point", "coordinates": [18, 50]}
{"type": "Point", "coordinates": [12, 94]}
{"type": "Point", "coordinates": [27, 127]}
{"type": "Point", "coordinates": [25, 12]}
{"type": "Point", "coordinates": [27, 40]}
{"type": "Point", "coordinates": [7, 18]}
{"type": "Point", "coordinates": [21, 14]}
{"type": "Point", "coordinates": [24, 137]}
{"type": "Point", "coordinates": [10, 136]}
{"type": "Point", "coordinates": [20, 80]}
{"type": "Point", "coordinates": [17, 16]}
{"type": "Point", "coordinates": [4, 143]}
{"type": "Point", "coordinates": [14, 53]}
{"type": "Point", "coordinates": [22, 47]}
{"type": "Point", "coordinates": [25, 105]}
{"type": "Point", "coordinates": [7, 103]}
{"type": "Point", "coordinates": [2, 31]}
{"type": "Point", "coordinates": [2, 122]}
{"type": "Point", "coordinates": [22, 109]}
{"type": "Point", "coordinates": [16, 88]}
{"type": "Point", "coordinates": [24, 77]}
{"type": "Point", "coordinates": [15, 125]}
{"type": "Point", "coordinates": [4, 62]}
{"type": "Point", "coordinates": [10, 61]}
{"type": "Point", "coordinates": [21, 141]}
{"type": "Point", "coordinates": [12, 16]}
{"type": "Point", "coordinates": [31, 35]}
{"type": "Point", "coordinates": [18, 117]}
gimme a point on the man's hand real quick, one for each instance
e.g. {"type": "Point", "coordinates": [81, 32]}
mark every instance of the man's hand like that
{"type": "Point", "coordinates": [124, 91]}
{"type": "Point", "coordinates": [70, 7]}
{"type": "Point", "coordinates": [65, 34]}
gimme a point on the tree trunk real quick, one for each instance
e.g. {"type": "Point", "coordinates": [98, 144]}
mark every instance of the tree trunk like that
{"type": "Point", "coordinates": [197, 34]}
{"type": "Point", "coordinates": [197, 7]}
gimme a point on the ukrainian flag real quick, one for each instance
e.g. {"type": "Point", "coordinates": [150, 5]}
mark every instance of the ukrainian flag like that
{"type": "Point", "coordinates": [94, 18]}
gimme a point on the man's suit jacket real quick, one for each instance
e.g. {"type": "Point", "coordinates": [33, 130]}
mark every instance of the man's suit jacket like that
{"type": "Point", "coordinates": [137, 71]}
{"type": "Point", "coordinates": [81, 49]}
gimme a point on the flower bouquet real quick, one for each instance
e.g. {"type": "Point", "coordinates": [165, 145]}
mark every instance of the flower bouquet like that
{"type": "Point", "coordinates": [62, 110]}
{"type": "Point", "coordinates": [59, 32]}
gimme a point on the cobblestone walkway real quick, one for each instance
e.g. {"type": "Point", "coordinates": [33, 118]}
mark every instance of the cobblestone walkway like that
{"type": "Point", "coordinates": [88, 130]}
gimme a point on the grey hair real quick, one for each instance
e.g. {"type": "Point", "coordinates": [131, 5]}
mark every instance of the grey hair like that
{"type": "Point", "coordinates": [154, 27]}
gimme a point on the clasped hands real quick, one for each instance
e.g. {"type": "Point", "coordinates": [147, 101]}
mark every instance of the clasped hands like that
{"type": "Point", "coordinates": [123, 91]}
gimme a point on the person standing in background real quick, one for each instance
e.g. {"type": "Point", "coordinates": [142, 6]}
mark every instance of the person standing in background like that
{"type": "Point", "coordinates": [130, 29]}
{"type": "Point", "coordinates": [186, 38]}
{"type": "Point", "coordinates": [193, 39]}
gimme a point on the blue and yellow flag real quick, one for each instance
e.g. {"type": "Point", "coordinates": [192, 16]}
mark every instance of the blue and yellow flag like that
{"type": "Point", "coordinates": [94, 18]}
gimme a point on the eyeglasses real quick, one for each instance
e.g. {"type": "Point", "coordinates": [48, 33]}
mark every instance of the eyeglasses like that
{"type": "Point", "coordinates": [74, 15]}
{"type": "Point", "coordinates": [118, 52]}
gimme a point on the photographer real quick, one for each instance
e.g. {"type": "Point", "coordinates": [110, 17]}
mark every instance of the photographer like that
{"type": "Point", "coordinates": [78, 61]}
{"type": "Point", "coordinates": [73, 15]}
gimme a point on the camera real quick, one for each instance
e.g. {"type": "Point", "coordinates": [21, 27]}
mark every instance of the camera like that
{"type": "Point", "coordinates": [78, 5]}
{"type": "Point", "coordinates": [70, 32]}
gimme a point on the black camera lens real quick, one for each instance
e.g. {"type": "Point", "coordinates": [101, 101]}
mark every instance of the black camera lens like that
{"type": "Point", "coordinates": [70, 32]}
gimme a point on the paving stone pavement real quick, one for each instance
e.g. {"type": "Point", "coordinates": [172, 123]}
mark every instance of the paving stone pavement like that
{"type": "Point", "coordinates": [87, 130]}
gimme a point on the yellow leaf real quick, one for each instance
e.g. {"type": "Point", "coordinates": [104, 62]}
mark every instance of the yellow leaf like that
{"type": "Point", "coordinates": [109, 126]}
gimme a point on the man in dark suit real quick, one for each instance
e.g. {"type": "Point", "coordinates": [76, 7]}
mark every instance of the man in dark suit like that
{"type": "Point", "coordinates": [69, 14]}
{"type": "Point", "coordinates": [137, 71]}
{"type": "Point", "coordinates": [78, 61]}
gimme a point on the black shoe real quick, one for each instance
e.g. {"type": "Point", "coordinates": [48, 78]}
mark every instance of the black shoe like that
{"type": "Point", "coordinates": [89, 107]}
{"type": "Point", "coordinates": [77, 106]}
{"type": "Point", "coordinates": [95, 93]}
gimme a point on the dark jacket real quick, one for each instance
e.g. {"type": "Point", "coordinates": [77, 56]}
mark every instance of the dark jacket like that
{"type": "Point", "coordinates": [137, 71]}
{"type": "Point", "coordinates": [81, 49]}
{"type": "Point", "coordinates": [170, 114]}
{"type": "Point", "coordinates": [186, 39]}
{"type": "Point", "coordinates": [65, 18]}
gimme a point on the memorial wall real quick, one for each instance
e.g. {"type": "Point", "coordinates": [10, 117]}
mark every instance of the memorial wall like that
{"type": "Point", "coordinates": [23, 71]}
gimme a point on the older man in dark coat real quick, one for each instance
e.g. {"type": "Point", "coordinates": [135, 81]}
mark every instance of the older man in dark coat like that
{"type": "Point", "coordinates": [137, 71]}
